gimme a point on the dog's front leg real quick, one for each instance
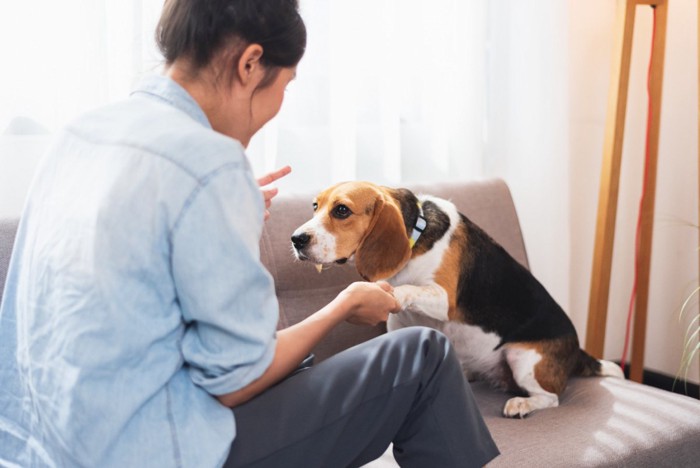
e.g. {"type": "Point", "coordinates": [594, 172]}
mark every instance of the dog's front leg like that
{"type": "Point", "coordinates": [430, 300]}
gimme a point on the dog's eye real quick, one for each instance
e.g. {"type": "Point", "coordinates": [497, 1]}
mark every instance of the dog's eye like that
{"type": "Point", "coordinates": [315, 205]}
{"type": "Point", "coordinates": [341, 212]}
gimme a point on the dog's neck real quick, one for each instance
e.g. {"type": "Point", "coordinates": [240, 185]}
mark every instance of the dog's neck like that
{"type": "Point", "coordinates": [418, 228]}
{"type": "Point", "coordinates": [438, 223]}
{"type": "Point", "coordinates": [408, 202]}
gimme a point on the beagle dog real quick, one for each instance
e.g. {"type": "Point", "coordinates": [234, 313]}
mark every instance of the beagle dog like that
{"type": "Point", "coordinates": [448, 274]}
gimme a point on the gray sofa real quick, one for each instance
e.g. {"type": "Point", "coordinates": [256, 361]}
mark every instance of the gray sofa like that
{"type": "Point", "coordinates": [601, 422]}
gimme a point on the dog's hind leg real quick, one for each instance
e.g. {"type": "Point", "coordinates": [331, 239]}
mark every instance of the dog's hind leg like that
{"type": "Point", "coordinates": [522, 362]}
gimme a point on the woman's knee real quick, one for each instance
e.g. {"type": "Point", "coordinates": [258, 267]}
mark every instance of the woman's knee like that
{"type": "Point", "coordinates": [425, 343]}
{"type": "Point", "coordinates": [423, 338]}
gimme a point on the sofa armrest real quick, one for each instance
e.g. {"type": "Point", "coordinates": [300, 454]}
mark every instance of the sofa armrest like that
{"type": "Point", "coordinates": [8, 230]}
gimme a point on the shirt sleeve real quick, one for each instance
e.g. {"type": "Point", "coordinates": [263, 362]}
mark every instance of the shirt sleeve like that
{"type": "Point", "coordinates": [226, 295]}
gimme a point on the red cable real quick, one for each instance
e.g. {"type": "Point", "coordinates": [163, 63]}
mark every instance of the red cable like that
{"type": "Point", "coordinates": [633, 296]}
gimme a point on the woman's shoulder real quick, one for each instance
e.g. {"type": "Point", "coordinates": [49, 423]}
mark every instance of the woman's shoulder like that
{"type": "Point", "coordinates": [161, 131]}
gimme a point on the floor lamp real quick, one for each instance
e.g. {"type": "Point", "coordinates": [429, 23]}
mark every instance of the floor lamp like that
{"type": "Point", "coordinates": [609, 183]}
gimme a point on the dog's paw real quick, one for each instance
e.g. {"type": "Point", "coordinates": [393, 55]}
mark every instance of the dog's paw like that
{"type": "Point", "coordinates": [403, 297]}
{"type": "Point", "coordinates": [517, 407]}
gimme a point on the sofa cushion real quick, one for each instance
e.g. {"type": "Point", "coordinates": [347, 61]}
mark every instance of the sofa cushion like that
{"type": "Point", "coordinates": [600, 422]}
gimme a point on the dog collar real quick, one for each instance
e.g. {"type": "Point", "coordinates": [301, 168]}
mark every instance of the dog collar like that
{"type": "Point", "coordinates": [419, 227]}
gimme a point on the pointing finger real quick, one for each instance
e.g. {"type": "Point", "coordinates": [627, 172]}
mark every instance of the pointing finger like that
{"type": "Point", "coordinates": [273, 176]}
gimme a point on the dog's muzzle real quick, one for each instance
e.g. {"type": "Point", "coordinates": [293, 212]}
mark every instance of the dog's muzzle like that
{"type": "Point", "coordinates": [299, 241]}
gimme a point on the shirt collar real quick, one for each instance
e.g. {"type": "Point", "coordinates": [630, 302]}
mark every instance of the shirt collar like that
{"type": "Point", "coordinates": [166, 89]}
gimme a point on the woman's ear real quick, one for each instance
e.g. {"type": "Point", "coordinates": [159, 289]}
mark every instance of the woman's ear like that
{"type": "Point", "coordinates": [385, 248]}
{"type": "Point", "coordinates": [249, 67]}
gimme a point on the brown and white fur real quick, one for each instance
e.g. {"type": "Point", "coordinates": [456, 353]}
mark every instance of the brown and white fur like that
{"type": "Point", "coordinates": [503, 324]}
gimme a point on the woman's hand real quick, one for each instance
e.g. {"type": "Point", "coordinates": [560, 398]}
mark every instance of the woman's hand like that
{"type": "Point", "coordinates": [360, 303]}
{"type": "Point", "coordinates": [370, 303]}
{"type": "Point", "coordinates": [269, 194]}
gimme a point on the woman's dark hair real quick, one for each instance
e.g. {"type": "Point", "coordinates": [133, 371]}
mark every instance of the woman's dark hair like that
{"type": "Point", "coordinates": [198, 29]}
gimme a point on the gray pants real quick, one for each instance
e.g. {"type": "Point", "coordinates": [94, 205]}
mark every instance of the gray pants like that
{"type": "Point", "coordinates": [405, 387]}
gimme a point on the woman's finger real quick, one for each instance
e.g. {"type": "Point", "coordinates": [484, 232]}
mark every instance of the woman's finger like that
{"type": "Point", "coordinates": [267, 179]}
{"type": "Point", "coordinates": [269, 194]}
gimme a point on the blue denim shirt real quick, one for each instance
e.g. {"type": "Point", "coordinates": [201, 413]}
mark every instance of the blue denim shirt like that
{"type": "Point", "coordinates": [135, 292]}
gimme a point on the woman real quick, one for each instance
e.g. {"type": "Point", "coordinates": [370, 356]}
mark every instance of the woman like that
{"type": "Point", "coordinates": [144, 313]}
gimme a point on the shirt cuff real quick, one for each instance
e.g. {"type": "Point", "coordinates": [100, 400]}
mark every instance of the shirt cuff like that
{"type": "Point", "coordinates": [238, 378]}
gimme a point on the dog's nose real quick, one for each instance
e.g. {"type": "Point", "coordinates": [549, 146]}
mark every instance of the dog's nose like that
{"type": "Point", "coordinates": [300, 240]}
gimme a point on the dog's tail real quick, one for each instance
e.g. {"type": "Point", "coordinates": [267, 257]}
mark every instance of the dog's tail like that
{"type": "Point", "coordinates": [588, 366]}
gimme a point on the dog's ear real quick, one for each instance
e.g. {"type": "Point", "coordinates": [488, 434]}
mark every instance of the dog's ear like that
{"type": "Point", "coordinates": [385, 248]}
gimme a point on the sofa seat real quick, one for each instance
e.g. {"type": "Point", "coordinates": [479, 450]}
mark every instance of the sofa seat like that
{"type": "Point", "coordinates": [600, 421]}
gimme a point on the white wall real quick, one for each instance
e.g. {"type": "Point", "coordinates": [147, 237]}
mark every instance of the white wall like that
{"type": "Point", "coordinates": [528, 137]}
{"type": "Point", "coordinates": [674, 264]}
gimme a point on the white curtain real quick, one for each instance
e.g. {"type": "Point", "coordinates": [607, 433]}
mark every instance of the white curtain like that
{"type": "Point", "coordinates": [393, 91]}
{"type": "Point", "coordinates": [60, 59]}
{"type": "Point", "coordinates": [389, 90]}
{"type": "Point", "coordinates": [63, 58]}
